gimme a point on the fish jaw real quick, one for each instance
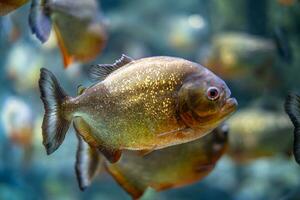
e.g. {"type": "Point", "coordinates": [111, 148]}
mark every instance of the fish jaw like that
{"type": "Point", "coordinates": [230, 106]}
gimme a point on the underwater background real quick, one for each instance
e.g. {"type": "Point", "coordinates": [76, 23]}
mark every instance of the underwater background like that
{"type": "Point", "coordinates": [254, 45]}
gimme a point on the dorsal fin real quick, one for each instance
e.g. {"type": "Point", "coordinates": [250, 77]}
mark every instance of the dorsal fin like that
{"type": "Point", "coordinates": [101, 71]}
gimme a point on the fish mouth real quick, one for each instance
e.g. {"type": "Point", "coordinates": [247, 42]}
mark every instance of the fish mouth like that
{"type": "Point", "coordinates": [230, 106]}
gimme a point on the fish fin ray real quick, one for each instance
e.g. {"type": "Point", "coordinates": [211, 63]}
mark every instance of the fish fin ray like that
{"type": "Point", "coordinates": [39, 20]}
{"type": "Point", "coordinates": [292, 108]}
{"type": "Point", "coordinates": [101, 71]}
{"type": "Point", "coordinates": [88, 163]}
{"type": "Point", "coordinates": [54, 126]}
{"type": "Point", "coordinates": [178, 132]}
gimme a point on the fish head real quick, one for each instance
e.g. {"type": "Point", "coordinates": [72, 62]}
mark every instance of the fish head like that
{"type": "Point", "coordinates": [207, 100]}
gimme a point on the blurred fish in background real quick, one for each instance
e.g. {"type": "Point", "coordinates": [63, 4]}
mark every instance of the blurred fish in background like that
{"type": "Point", "coordinates": [239, 57]}
{"type": "Point", "coordinates": [7, 6]}
{"type": "Point", "coordinates": [18, 122]}
{"type": "Point", "coordinates": [235, 55]}
{"type": "Point", "coordinates": [163, 169]}
{"type": "Point", "coordinates": [259, 133]}
{"type": "Point", "coordinates": [23, 72]}
{"type": "Point", "coordinates": [186, 32]}
{"type": "Point", "coordinates": [78, 25]}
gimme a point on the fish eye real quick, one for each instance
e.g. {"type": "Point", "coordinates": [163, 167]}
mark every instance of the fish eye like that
{"type": "Point", "coordinates": [213, 93]}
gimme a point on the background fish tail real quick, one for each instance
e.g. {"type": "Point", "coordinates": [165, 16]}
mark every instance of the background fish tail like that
{"type": "Point", "coordinates": [39, 20]}
{"type": "Point", "coordinates": [55, 123]}
{"type": "Point", "coordinates": [292, 107]}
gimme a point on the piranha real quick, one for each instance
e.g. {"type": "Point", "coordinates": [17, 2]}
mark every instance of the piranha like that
{"type": "Point", "coordinates": [172, 167]}
{"type": "Point", "coordinates": [238, 55]}
{"type": "Point", "coordinates": [6, 6]}
{"type": "Point", "coordinates": [144, 104]}
{"type": "Point", "coordinates": [256, 133]}
{"type": "Point", "coordinates": [292, 108]}
{"type": "Point", "coordinates": [78, 25]}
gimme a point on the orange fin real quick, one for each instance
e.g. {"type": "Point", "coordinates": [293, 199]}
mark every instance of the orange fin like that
{"type": "Point", "coordinates": [113, 155]}
{"type": "Point", "coordinates": [67, 58]}
{"type": "Point", "coordinates": [135, 190]}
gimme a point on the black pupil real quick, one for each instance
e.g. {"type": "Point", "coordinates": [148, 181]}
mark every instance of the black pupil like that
{"type": "Point", "coordinates": [213, 93]}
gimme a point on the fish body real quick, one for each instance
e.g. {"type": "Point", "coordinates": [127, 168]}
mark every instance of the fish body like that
{"type": "Point", "coordinates": [18, 121]}
{"type": "Point", "coordinates": [144, 104]}
{"type": "Point", "coordinates": [7, 6]}
{"type": "Point", "coordinates": [162, 169]}
{"type": "Point", "coordinates": [257, 133]}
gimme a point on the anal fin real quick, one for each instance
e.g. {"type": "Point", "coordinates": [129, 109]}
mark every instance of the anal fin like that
{"type": "Point", "coordinates": [83, 129]}
{"type": "Point", "coordinates": [133, 186]}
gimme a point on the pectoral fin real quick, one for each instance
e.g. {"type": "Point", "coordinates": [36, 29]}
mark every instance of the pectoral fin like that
{"type": "Point", "coordinates": [111, 154]}
{"type": "Point", "coordinates": [88, 163]}
{"type": "Point", "coordinates": [178, 133]}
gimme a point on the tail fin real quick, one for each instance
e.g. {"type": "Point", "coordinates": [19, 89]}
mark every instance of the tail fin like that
{"type": "Point", "coordinates": [54, 125]}
{"type": "Point", "coordinates": [39, 20]}
{"type": "Point", "coordinates": [88, 163]}
{"type": "Point", "coordinates": [292, 108]}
